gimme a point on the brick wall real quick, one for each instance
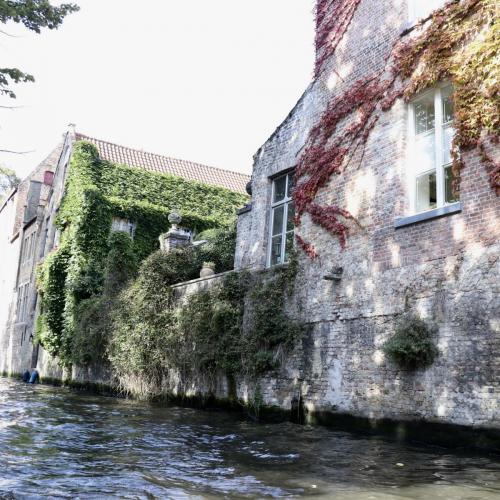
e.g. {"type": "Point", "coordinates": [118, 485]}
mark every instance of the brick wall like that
{"type": "Point", "coordinates": [446, 269]}
{"type": "Point", "coordinates": [23, 218]}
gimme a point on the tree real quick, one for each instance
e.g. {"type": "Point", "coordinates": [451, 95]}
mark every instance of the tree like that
{"type": "Point", "coordinates": [35, 15]}
{"type": "Point", "coordinates": [8, 180]}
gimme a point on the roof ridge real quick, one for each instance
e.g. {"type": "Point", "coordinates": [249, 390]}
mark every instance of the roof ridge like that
{"type": "Point", "coordinates": [80, 135]}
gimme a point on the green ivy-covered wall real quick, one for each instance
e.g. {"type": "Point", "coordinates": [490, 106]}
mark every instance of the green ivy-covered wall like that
{"type": "Point", "coordinates": [95, 192]}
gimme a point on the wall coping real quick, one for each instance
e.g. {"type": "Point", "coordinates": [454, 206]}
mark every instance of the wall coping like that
{"type": "Point", "coordinates": [198, 280]}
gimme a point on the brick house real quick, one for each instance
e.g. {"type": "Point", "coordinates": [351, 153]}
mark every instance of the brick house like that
{"type": "Point", "coordinates": [418, 247]}
{"type": "Point", "coordinates": [29, 233]}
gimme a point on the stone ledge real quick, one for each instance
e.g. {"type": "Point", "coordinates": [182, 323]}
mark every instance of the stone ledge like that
{"type": "Point", "coordinates": [197, 280]}
{"type": "Point", "coordinates": [429, 215]}
{"type": "Point", "coordinates": [243, 210]}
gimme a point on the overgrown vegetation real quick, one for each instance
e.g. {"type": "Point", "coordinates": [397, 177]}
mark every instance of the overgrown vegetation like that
{"type": "Point", "coordinates": [412, 345]}
{"type": "Point", "coordinates": [208, 334]}
{"type": "Point", "coordinates": [80, 279]}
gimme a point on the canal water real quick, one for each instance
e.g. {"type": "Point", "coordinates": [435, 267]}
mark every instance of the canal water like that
{"type": "Point", "coordinates": [59, 444]}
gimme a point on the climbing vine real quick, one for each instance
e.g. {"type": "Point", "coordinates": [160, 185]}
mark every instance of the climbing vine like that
{"type": "Point", "coordinates": [238, 327]}
{"type": "Point", "coordinates": [333, 17]}
{"type": "Point", "coordinates": [459, 43]}
{"type": "Point", "coordinates": [73, 280]}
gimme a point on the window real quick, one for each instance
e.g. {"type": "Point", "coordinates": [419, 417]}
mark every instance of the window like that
{"type": "Point", "coordinates": [28, 248]}
{"type": "Point", "coordinates": [22, 301]}
{"type": "Point", "coordinates": [281, 231]}
{"type": "Point", "coordinates": [431, 134]}
{"type": "Point", "coordinates": [124, 225]}
{"type": "Point", "coordinates": [420, 9]}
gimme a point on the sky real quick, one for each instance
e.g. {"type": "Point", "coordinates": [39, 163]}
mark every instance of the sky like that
{"type": "Point", "coordinates": [202, 80]}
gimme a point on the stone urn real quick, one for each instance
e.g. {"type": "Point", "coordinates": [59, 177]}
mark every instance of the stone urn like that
{"type": "Point", "coordinates": [175, 219]}
{"type": "Point", "coordinates": [207, 270]}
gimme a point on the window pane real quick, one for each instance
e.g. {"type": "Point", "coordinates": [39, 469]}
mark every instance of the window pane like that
{"type": "Point", "coordinates": [426, 192]}
{"type": "Point", "coordinates": [447, 105]}
{"type": "Point", "coordinates": [289, 219]}
{"type": "Point", "coordinates": [424, 114]}
{"type": "Point", "coordinates": [288, 245]}
{"type": "Point", "coordinates": [424, 158]}
{"type": "Point", "coordinates": [276, 250]}
{"type": "Point", "coordinates": [279, 188]}
{"type": "Point", "coordinates": [278, 214]}
{"type": "Point", "coordinates": [449, 196]}
{"type": "Point", "coordinates": [290, 186]}
{"type": "Point", "coordinates": [448, 134]}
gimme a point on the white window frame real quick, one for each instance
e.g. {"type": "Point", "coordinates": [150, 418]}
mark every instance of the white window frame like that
{"type": "Point", "coordinates": [273, 205]}
{"type": "Point", "coordinates": [412, 9]}
{"type": "Point", "coordinates": [439, 166]}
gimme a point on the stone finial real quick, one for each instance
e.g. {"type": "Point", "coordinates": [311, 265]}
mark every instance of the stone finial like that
{"type": "Point", "coordinates": [175, 219]}
{"type": "Point", "coordinates": [175, 237]}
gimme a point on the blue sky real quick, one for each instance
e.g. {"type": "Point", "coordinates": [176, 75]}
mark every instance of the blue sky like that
{"type": "Point", "coordinates": [204, 80]}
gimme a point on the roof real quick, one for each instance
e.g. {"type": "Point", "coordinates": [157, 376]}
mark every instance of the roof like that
{"type": "Point", "coordinates": [189, 170]}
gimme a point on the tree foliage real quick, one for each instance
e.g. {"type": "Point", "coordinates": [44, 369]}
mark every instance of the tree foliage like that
{"type": "Point", "coordinates": [8, 181]}
{"type": "Point", "coordinates": [34, 15]}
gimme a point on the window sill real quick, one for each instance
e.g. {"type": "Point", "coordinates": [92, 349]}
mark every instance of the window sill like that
{"type": "Point", "coordinates": [277, 267]}
{"type": "Point", "coordinates": [429, 215]}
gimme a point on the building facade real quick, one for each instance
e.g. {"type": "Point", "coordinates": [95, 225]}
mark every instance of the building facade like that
{"type": "Point", "coordinates": [30, 233]}
{"type": "Point", "coordinates": [407, 242]}
{"type": "Point", "coordinates": [22, 227]}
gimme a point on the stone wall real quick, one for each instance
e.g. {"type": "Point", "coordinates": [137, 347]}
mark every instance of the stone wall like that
{"type": "Point", "coordinates": [23, 227]}
{"type": "Point", "coordinates": [446, 269]}
{"type": "Point", "coordinates": [9, 252]}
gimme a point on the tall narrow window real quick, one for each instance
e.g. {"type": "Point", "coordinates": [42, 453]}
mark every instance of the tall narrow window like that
{"type": "Point", "coordinates": [22, 301]}
{"type": "Point", "coordinates": [281, 224]}
{"type": "Point", "coordinates": [431, 134]}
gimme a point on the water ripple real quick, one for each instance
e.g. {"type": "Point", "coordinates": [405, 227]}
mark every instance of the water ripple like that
{"type": "Point", "coordinates": [58, 444]}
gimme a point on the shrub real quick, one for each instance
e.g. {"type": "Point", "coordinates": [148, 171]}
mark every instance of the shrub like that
{"type": "Point", "coordinates": [219, 248]}
{"type": "Point", "coordinates": [412, 346]}
{"type": "Point", "coordinates": [51, 280]}
{"type": "Point", "coordinates": [92, 327]}
{"type": "Point", "coordinates": [205, 335]}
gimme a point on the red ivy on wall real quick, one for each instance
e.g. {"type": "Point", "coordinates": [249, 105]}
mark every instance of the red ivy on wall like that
{"type": "Point", "coordinates": [333, 17]}
{"type": "Point", "coordinates": [331, 146]}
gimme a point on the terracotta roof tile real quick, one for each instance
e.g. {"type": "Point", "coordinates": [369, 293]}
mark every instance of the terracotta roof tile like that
{"type": "Point", "coordinates": [234, 181]}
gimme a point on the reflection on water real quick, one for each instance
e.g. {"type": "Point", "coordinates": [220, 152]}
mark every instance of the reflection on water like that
{"type": "Point", "coordinates": [59, 444]}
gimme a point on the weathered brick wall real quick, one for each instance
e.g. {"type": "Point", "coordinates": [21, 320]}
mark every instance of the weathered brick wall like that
{"type": "Point", "coordinates": [23, 218]}
{"type": "Point", "coordinates": [446, 269]}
